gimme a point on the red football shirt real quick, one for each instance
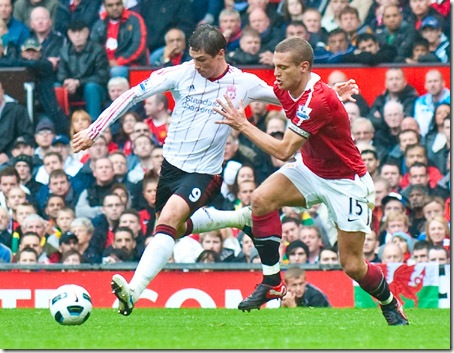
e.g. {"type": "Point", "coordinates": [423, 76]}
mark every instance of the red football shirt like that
{"type": "Point", "coordinates": [320, 116]}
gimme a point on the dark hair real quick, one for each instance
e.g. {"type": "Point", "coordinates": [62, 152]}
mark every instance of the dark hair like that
{"type": "Point", "coordinates": [53, 196]}
{"type": "Point", "coordinates": [415, 145]}
{"type": "Point", "coordinates": [421, 244]}
{"type": "Point", "coordinates": [53, 153]}
{"type": "Point", "coordinates": [418, 136]}
{"type": "Point", "coordinates": [374, 153]}
{"type": "Point", "coordinates": [417, 165]}
{"type": "Point", "coordinates": [300, 49]}
{"type": "Point", "coordinates": [337, 31]}
{"type": "Point", "coordinates": [288, 219]}
{"type": "Point", "coordinates": [131, 211]}
{"type": "Point", "coordinates": [125, 229]}
{"type": "Point", "coordinates": [69, 253]}
{"type": "Point", "coordinates": [349, 10]}
{"type": "Point", "coordinates": [286, 14]}
{"type": "Point", "coordinates": [208, 255]}
{"type": "Point", "coordinates": [58, 173]}
{"type": "Point", "coordinates": [364, 37]}
{"type": "Point", "coordinates": [10, 171]}
{"type": "Point", "coordinates": [209, 39]}
{"type": "Point", "coordinates": [391, 163]}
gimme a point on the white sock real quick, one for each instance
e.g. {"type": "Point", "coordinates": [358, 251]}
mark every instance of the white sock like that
{"type": "Point", "coordinates": [154, 258]}
{"type": "Point", "coordinates": [207, 219]}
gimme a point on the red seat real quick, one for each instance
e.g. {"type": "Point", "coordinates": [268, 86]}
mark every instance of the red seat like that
{"type": "Point", "coordinates": [63, 100]}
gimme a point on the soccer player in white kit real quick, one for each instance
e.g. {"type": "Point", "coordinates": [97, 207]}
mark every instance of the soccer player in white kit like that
{"type": "Point", "coordinates": [193, 150]}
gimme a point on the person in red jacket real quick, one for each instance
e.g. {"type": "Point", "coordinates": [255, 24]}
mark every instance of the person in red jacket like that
{"type": "Point", "coordinates": [123, 34]}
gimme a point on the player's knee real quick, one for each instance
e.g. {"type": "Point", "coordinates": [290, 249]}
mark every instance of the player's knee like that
{"type": "Point", "coordinates": [259, 204]}
{"type": "Point", "coordinates": [353, 268]}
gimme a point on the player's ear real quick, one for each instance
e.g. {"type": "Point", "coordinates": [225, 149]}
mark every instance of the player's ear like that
{"type": "Point", "coordinates": [305, 66]}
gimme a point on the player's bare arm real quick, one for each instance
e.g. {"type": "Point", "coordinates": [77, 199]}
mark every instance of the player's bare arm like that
{"type": "Point", "coordinates": [236, 118]}
{"type": "Point", "coordinates": [82, 141]}
{"type": "Point", "coordinates": [345, 90]}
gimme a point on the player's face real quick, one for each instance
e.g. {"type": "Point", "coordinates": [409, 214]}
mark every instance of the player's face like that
{"type": "Point", "coordinates": [287, 73]}
{"type": "Point", "coordinates": [206, 65]}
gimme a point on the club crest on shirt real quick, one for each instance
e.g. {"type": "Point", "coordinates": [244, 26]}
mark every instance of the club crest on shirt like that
{"type": "Point", "coordinates": [303, 112]}
{"type": "Point", "coordinates": [231, 92]}
{"type": "Point", "coordinates": [143, 85]}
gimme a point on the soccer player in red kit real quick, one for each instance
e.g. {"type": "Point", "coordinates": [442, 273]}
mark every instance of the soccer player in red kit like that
{"type": "Point", "coordinates": [324, 167]}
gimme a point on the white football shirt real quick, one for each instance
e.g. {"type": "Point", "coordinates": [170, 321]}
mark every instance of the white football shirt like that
{"type": "Point", "coordinates": [194, 143]}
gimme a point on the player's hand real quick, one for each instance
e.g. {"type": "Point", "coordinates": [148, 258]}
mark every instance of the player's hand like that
{"type": "Point", "coordinates": [81, 141]}
{"type": "Point", "coordinates": [289, 300]}
{"type": "Point", "coordinates": [233, 117]}
{"type": "Point", "coordinates": [345, 90]}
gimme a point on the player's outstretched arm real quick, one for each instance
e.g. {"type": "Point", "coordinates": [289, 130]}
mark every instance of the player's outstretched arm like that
{"type": "Point", "coordinates": [82, 141]}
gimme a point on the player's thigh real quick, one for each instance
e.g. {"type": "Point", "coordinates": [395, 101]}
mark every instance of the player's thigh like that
{"type": "Point", "coordinates": [275, 192]}
{"type": "Point", "coordinates": [350, 202]}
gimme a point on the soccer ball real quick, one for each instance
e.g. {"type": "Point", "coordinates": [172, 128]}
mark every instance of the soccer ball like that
{"type": "Point", "coordinates": [70, 305]}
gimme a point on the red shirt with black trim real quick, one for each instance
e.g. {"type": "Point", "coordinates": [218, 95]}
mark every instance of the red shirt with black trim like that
{"type": "Point", "coordinates": [319, 116]}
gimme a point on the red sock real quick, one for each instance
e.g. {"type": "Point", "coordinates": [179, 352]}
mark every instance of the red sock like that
{"type": "Point", "coordinates": [374, 283]}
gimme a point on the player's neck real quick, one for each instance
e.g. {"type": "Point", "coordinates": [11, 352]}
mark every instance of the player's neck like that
{"type": "Point", "coordinates": [298, 90]}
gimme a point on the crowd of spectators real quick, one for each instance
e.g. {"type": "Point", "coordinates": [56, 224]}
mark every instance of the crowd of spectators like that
{"type": "Point", "coordinates": [97, 206]}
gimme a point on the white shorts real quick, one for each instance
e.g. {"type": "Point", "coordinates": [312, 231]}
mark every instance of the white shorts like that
{"type": "Point", "coordinates": [350, 202]}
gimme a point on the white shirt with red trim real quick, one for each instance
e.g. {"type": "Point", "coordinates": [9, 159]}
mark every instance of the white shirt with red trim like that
{"type": "Point", "coordinates": [194, 143]}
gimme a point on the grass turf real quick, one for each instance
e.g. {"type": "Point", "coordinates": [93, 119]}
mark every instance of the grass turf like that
{"type": "Point", "coordinates": [300, 328]}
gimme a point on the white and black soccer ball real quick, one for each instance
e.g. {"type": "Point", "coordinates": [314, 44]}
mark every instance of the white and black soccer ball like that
{"type": "Point", "coordinates": [70, 305]}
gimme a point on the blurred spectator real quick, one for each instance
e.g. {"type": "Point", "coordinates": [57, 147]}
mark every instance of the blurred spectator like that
{"type": "Point", "coordinates": [405, 242]}
{"type": "Point", "coordinates": [426, 104]}
{"type": "Point", "coordinates": [157, 116]}
{"type": "Point", "coordinates": [312, 18]}
{"type": "Point", "coordinates": [292, 10]}
{"type": "Point", "coordinates": [174, 52]}
{"type": "Point", "coordinates": [370, 52]}
{"type": "Point", "coordinates": [363, 131]}
{"type": "Point", "coordinates": [419, 52]}
{"type": "Point", "coordinates": [370, 159]}
{"type": "Point", "coordinates": [247, 246]}
{"type": "Point", "coordinates": [24, 166]}
{"type": "Point", "coordinates": [58, 185]}
{"type": "Point", "coordinates": [27, 255]}
{"type": "Point", "coordinates": [124, 138]}
{"type": "Point", "coordinates": [142, 148]}
{"type": "Point", "coordinates": [350, 22]}
{"type": "Point", "coordinates": [130, 218]}
{"type": "Point", "coordinates": [84, 69]}
{"type": "Point", "coordinates": [51, 41]}
{"type": "Point", "coordinates": [23, 9]}
{"type": "Point", "coordinates": [396, 32]}
{"type": "Point", "coordinates": [439, 255]}
{"type": "Point", "coordinates": [147, 213]}
{"type": "Point", "coordinates": [397, 89]}
{"type": "Point", "coordinates": [330, 20]}
{"type": "Point", "coordinates": [264, 5]}
{"type": "Point", "coordinates": [398, 152]}
{"type": "Point", "coordinates": [15, 123]}
{"type": "Point", "coordinates": [417, 154]}
{"type": "Point", "coordinates": [83, 228]}
{"type": "Point", "coordinates": [392, 253]}
{"type": "Point", "coordinates": [18, 32]}
{"type": "Point", "coordinates": [123, 35]}
{"type": "Point", "coordinates": [52, 160]}
{"type": "Point", "coordinates": [433, 206]}
{"type": "Point", "coordinates": [416, 194]}
{"type": "Point", "coordinates": [328, 258]}
{"type": "Point", "coordinates": [421, 251]}
{"type": "Point", "coordinates": [437, 232]}
{"type": "Point", "coordinates": [208, 256]}
{"type": "Point", "coordinates": [387, 133]}
{"type": "Point", "coordinates": [90, 201]}
{"type": "Point", "coordinates": [5, 220]}
{"type": "Point", "coordinates": [249, 51]}
{"type": "Point", "coordinates": [213, 241]}
{"type": "Point", "coordinates": [311, 236]}
{"type": "Point", "coordinates": [338, 76]}
{"type": "Point", "coordinates": [9, 178]}
{"type": "Point", "coordinates": [71, 257]}
{"type": "Point", "coordinates": [290, 229]}
{"type": "Point", "coordinates": [71, 10]}
{"type": "Point", "coordinates": [44, 134]}
{"type": "Point", "coordinates": [438, 138]}
{"type": "Point", "coordinates": [337, 48]}
{"type": "Point", "coordinates": [160, 16]}
{"type": "Point", "coordinates": [68, 241]}
{"type": "Point", "coordinates": [419, 11]}
{"type": "Point", "coordinates": [32, 240]}
{"type": "Point", "coordinates": [206, 11]}
{"type": "Point", "coordinates": [270, 35]}
{"type": "Point", "coordinates": [370, 247]}
{"type": "Point", "coordinates": [382, 189]}
{"type": "Point", "coordinates": [103, 236]}
{"type": "Point", "coordinates": [230, 26]}
{"type": "Point", "coordinates": [123, 239]}
{"type": "Point", "coordinates": [300, 292]}
{"type": "Point", "coordinates": [71, 165]}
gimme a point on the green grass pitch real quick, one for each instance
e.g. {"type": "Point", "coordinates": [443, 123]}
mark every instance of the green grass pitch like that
{"type": "Point", "coordinates": [300, 328]}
